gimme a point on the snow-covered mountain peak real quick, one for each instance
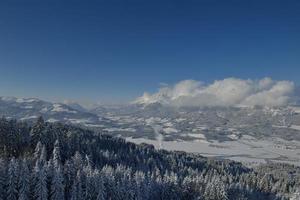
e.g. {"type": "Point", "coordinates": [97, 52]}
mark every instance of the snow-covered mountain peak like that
{"type": "Point", "coordinates": [31, 108]}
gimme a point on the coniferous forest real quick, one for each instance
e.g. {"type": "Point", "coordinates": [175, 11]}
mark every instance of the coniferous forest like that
{"type": "Point", "coordinates": [57, 161]}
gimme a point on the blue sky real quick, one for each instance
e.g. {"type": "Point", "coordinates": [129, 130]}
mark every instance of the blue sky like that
{"type": "Point", "coordinates": [113, 51]}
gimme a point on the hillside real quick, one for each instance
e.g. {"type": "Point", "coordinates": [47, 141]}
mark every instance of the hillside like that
{"type": "Point", "coordinates": [59, 161]}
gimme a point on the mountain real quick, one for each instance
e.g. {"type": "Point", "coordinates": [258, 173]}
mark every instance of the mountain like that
{"type": "Point", "coordinates": [75, 106]}
{"type": "Point", "coordinates": [161, 97]}
{"type": "Point", "coordinates": [31, 108]}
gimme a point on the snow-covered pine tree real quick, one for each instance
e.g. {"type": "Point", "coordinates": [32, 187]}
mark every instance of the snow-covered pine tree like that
{"type": "Point", "coordinates": [295, 195]}
{"type": "Point", "coordinates": [36, 131]}
{"type": "Point", "coordinates": [3, 176]}
{"type": "Point", "coordinates": [56, 155]}
{"type": "Point", "coordinates": [69, 177]}
{"type": "Point", "coordinates": [77, 191]}
{"type": "Point", "coordinates": [50, 174]}
{"type": "Point", "coordinates": [187, 187]}
{"type": "Point", "coordinates": [12, 185]}
{"type": "Point", "coordinates": [77, 161]}
{"type": "Point", "coordinates": [43, 156]}
{"type": "Point", "coordinates": [73, 193]}
{"type": "Point", "coordinates": [38, 151]}
{"type": "Point", "coordinates": [100, 188]}
{"type": "Point", "coordinates": [220, 189]}
{"type": "Point", "coordinates": [24, 181]}
{"type": "Point", "coordinates": [139, 180]}
{"type": "Point", "coordinates": [90, 189]}
{"type": "Point", "coordinates": [40, 181]}
{"type": "Point", "coordinates": [57, 185]}
{"type": "Point", "coordinates": [215, 190]}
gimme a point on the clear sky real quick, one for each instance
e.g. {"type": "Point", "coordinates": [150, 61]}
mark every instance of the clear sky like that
{"type": "Point", "coordinates": [112, 51]}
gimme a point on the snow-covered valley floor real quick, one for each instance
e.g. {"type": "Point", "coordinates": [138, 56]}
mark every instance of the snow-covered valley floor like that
{"type": "Point", "coordinates": [247, 149]}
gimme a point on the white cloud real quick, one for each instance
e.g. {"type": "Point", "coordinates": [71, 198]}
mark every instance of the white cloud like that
{"type": "Point", "coordinates": [227, 92]}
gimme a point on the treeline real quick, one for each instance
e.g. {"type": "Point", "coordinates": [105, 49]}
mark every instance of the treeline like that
{"type": "Point", "coordinates": [58, 161]}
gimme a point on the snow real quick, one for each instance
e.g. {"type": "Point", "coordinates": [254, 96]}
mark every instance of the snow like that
{"type": "Point", "coordinates": [8, 98]}
{"type": "Point", "coordinates": [277, 126]}
{"type": "Point", "coordinates": [295, 127]}
{"type": "Point", "coordinates": [85, 122]}
{"type": "Point", "coordinates": [202, 127]}
{"type": "Point", "coordinates": [95, 125]}
{"type": "Point", "coordinates": [78, 121]}
{"type": "Point", "coordinates": [52, 120]}
{"type": "Point", "coordinates": [28, 107]}
{"type": "Point", "coordinates": [197, 135]}
{"type": "Point", "coordinates": [218, 128]}
{"type": "Point", "coordinates": [140, 119]}
{"type": "Point", "coordinates": [296, 109]}
{"type": "Point", "coordinates": [169, 130]}
{"type": "Point", "coordinates": [168, 124]}
{"type": "Point", "coordinates": [120, 129]}
{"type": "Point", "coordinates": [159, 137]}
{"type": "Point", "coordinates": [29, 117]}
{"type": "Point", "coordinates": [233, 136]}
{"type": "Point", "coordinates": [199, 128]}
{"type": "Point", "coordinates": [180, 120]}
{"type": "Point", "coordinates": [274, 112]}
{"type": "Point", "coordinates": [44, 110]}
{"type": "Point", "coordinates": [153, 120]}
{"type": "Point", "coordinates": [24, 100]}
{"type": "Point", "coordinates": [113, 118]}
{"type": "Point", "coordinates": [247, 149]}
{"type": "Point", "coordinates": [164, 120]}
{"type": "Point", "coordinates": [60, 108]}
{"type": "Point", "coordinates": [249, 138]}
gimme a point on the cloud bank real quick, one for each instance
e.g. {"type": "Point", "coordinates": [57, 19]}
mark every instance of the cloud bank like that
{"type": "Point", "coordinates": [227, 92]}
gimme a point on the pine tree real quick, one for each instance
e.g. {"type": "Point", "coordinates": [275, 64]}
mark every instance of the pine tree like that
{"type": "Point", "coordinates": [264, 183]}
{"type": "Point", "coordinates": [57, 185]}
{"type": "Point", "coordinates": [90, 179]}
{"type": "Point", "coordinates": [221, 190]}
{"type": "Point", "coordinates": [24, 181]}
{"type": "Point", "coordinates": [50, 172]}
{"type": "Point", "coordinates": [295, 195]}
{"type": "Point", "coordinates": [40, 184]}
{"type": "Point", "coordinates": [43, 155]}
{"type": "Point", "coordinates": [89, 184]}
{"type": "Point", "coordinates": [69, 175]}
{"type": "Point", "coordinates": [12, 186]}
{"type": "Point", "coordinates": [77, 160]}
{"type": "Point", "coordinates": [56, 155]}
{"type": "Point", "coordinates": [74, 195]}
{"type": "Point", "coordinates": [38, 151]}
{"type": "Point", "coordinates": [215, 190]}
{"type": "Point", "coordinates": [3, 177]}
{"type": "Point", "coordinates": [101, 189]}
{"type": "Point", "coordinates": [77, 190]}
{"type": "Point", "coordinates": [36, 131]}
{"type": "Point", "coordinates": [188, 189]}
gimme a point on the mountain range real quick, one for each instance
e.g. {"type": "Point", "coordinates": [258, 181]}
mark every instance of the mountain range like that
{"type": "Point", "coordinates": [250, 134]}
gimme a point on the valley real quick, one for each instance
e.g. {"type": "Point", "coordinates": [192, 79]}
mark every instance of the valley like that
{"type": "Point", "coordinates": [252, 135]}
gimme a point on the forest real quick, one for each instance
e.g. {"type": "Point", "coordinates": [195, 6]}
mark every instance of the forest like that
{"type": "Point", "coordinates": [56, 161]}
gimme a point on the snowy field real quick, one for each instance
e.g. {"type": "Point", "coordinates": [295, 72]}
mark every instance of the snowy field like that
{"type": "Point", "coordinates": [247, 149]}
